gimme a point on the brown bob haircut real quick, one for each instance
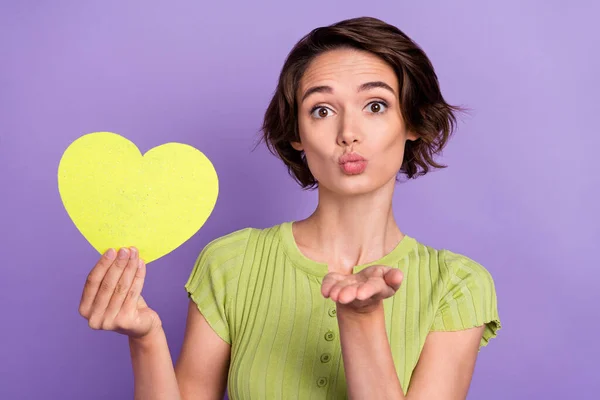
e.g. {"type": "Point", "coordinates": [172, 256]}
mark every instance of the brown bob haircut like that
{"type": "Point", "coordinates": [423, 108]}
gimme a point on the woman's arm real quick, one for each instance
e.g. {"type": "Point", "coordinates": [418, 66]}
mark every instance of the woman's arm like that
{"type": "Point", "coordinates": [112, 301]}
{"type": "Point", "coordinates": [203, 365]}
{"type": "Point", "coordinates": [154, 376]}
{"type": "Point", "coordinates": [368, 362]}
{"type": "Point", "coordinates": [445, 366]}
{"type": "Point", "coordinates": [200, 372]}
{"type": "Point", "coordinates": [443, 372]}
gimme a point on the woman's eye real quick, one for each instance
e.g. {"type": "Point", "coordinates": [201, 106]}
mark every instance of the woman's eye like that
{"type": "Point", "coordinates": [320, 112]}
{"type": "Point", "coordinates": [376, 107]}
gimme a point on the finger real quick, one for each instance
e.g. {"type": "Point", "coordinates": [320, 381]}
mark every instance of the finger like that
{"type": "Point", "coordinates": [348, 293]}
{"type": "Point", "coordinates": [334, 294]}
{"type": "Point", "coordinates": [93, 281]}
{"type": "Point", "coordinates": [107, 287]}
{"type": "Point", "coordinates": [329, 282]}
{"type": "Point", "coordinates": [393, 278]}
{"type": "Point", "coordinates": [123, 286]}
{"type": "Point", "coordinates": [376, 271]}
{"type": "Point", "coordinates": [370, 289]}
{"type": "Point", "coordinates": [378, 288]}
{"type": "Point", "coordinates": [383, 282]}
{"type": "Point", "coordinates": [134, 293]}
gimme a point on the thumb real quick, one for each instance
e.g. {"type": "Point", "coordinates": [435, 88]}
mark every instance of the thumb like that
{"type": "Point", "coordinates": [147, 319]}
{"type": "Point", "coordinates": [393, 278]}
{"type": "Point", "coordinates": [142, 302]}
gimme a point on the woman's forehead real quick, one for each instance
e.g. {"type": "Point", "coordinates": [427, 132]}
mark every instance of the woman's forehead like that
{"type": "Point", "coordinates": [349, 68]}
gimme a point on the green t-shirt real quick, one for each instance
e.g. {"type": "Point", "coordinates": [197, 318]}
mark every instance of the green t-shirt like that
{"type": "Point", "coordinates": [263, 296]}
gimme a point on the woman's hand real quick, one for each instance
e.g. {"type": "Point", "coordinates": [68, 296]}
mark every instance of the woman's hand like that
{"type": "Point", "coordinates": [362, 292]}
{"type": "Point", "coordinates": [111, 298]}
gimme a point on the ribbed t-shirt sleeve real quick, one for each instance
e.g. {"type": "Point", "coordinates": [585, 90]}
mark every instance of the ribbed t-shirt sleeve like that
{"type": "Point", "coordinates": [469, 298]}
{"type": "Point", "coordinates": [213, 281]}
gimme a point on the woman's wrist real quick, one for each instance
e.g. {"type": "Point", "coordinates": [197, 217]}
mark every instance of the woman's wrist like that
{"type": "Point", "coordinates": [148, 340]}
{"type": "Point", "coordinates": [354, 315]}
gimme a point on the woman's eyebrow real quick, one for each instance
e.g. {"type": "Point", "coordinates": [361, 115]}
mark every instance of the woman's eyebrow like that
{"type": "Point", "coordinates": [316, 89]}
{"type": "Point", "coordinates": [374, 85]}
{"type": "Point", "coordinates": [361, 88]}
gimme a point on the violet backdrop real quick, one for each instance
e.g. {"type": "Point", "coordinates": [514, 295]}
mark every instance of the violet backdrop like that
{"type": "Point", "coordinates": [518, 195]}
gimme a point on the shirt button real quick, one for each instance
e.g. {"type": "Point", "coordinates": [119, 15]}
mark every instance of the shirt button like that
{"type": "Point", "coordinates": [325, 358]}
{"type": "Point", "coordinates": [332, 312]}
{"type": "Point", "coordinates": [322, 381]}
{"type": "Point", "coordinates": [329, 336]}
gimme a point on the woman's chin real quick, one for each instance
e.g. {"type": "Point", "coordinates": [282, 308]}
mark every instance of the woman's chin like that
{"type": "Point", "coordinates": [355, 186]}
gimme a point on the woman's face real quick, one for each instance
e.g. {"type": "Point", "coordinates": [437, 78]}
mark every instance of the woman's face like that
{"type": "Point", "coordinates": [350, 124]}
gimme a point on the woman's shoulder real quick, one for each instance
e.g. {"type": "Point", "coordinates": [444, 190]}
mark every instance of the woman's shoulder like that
{"type": "Point", "coordinates": [450, 263]}
{"type": "Point", "coordinates": [465, 293]}
{"type": "Point", "coordinates": [237, 240]}
{"type": "Point", "coordinates": [458, 268]}
{"type": "Point", "coordinates": [461, 265]}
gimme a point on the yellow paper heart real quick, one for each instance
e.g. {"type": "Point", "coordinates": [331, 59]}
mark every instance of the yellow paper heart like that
{"type": "Point", "coordinates": [116, 197]}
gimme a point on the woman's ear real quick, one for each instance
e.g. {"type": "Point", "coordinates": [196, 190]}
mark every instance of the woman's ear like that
{"type": "Point", "coordinates": [410, 135]}
{"type": "Point", "coordinates": [297, 146]}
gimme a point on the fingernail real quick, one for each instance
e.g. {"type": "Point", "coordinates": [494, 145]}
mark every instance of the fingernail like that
{"type": "Point", "coordinates": [140, 263]}
{"type": "Point", "coordinates": [110, 253]}
{"type": "Point", "coordinates": [133, 251]}
{"type": "Point", "coordinates": [122, 253]}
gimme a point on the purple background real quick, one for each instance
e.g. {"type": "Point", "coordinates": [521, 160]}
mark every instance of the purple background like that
{"type": "Point", "coordinates": [518, 196]}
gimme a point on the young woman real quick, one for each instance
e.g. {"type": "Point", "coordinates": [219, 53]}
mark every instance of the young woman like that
{"type": "Point", "coordinates": [341, 304]}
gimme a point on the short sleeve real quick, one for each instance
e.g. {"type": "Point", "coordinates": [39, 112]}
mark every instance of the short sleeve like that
{"type": "Point", "coordinates": [469, 298]}
{"type": "Point", "coordinates": [214, 278]}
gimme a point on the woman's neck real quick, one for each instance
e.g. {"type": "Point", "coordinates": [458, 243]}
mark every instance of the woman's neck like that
{"type": "Point", "coordinates": [347, 231]}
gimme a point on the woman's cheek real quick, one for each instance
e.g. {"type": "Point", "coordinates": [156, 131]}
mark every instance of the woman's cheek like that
{"type": "Point", "coordinates": [316, 163]}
